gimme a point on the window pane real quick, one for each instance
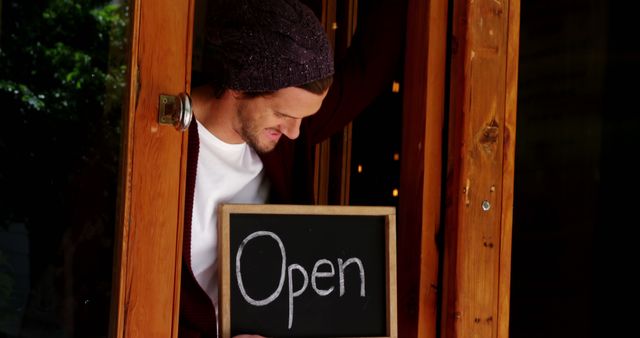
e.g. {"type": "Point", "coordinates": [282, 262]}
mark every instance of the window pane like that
{"type": "Point", "coordinates": [62, 81]}
{"type": "Point", "coordinates": [375, 154]}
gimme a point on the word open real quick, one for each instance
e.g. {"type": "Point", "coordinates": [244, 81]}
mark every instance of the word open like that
{"type": "Point", "coordinates": [287, 271]}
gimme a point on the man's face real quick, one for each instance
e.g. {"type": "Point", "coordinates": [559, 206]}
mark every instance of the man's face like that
{"type": "Point", "coordinates": [261, 121]}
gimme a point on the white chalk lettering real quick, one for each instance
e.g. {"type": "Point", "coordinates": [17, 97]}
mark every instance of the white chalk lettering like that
{"type": "Point", "coordinates": [293, 294]}
{"type": "Point", "coordinates": [341, 268]}
{"type": "Point", "coordinates": [315, 274]}
{"type": "Point", "coordinates": [239, 274]}
{"type": "Point", "coordinates": [287, 271]}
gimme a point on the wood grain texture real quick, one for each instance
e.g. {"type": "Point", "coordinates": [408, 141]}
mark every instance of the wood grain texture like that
{"type": "Point", "coordinates": [307, 209]}
{"type": "Point", "coordinates": [148, 259]}
{"type": "Point", "coordinates": [421, 167]}
{"type": "Point", "coordinates": [479, 170]}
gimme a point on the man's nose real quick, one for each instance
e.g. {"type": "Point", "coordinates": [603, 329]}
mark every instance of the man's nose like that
{"type": "Point", "coordinates": [291, 128]}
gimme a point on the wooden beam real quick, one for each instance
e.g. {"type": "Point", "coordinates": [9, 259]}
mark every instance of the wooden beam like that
{"type": "Point", "coordinates": [480, 168]}
{"type": "Point", "coordinates": [421, 167]}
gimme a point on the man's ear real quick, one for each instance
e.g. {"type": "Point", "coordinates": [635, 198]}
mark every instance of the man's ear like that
{"type": "Point", "coordinates": [236, 94]}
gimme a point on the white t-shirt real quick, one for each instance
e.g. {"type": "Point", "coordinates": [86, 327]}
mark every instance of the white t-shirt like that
{"type": "Point", "coordinates": [226, 173]}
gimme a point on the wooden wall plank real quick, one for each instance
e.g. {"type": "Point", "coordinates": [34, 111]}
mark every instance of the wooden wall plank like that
{"type": "Point", "coordinates": [421, 167]}
{"type": "Point", "coordinates": [479, 170]}
{"type": "Point", "coordinates": [148, 259]}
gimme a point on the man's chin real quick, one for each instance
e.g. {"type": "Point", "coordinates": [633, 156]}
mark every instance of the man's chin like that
{"type": "Point", "coordinates": [264, 148]}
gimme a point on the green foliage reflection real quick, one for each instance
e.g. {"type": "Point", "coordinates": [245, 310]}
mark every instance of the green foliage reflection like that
{"type": "Point", "coordinates": [62, 80]}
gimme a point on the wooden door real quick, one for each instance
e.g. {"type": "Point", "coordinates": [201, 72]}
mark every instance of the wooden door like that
{"type": "Point", "coordinates": [148, 251]}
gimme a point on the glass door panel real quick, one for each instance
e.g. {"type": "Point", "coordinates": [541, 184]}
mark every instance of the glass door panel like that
{"type": "Point", "coordinates": [62, 81]}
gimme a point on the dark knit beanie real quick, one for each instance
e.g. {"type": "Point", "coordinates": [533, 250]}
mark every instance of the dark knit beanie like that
{"type": "Point", "coordinates": [265, 45]}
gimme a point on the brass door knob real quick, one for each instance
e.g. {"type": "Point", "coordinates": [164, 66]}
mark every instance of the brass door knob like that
{"type": "Point", "coordinates": [175, 110]}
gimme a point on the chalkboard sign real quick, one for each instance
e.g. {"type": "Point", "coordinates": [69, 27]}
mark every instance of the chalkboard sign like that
{"type": "Point", "coordinates": [307, 271]}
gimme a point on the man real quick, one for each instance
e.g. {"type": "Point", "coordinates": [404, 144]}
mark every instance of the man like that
{"type": "Point", "coordinates": [269, 67]}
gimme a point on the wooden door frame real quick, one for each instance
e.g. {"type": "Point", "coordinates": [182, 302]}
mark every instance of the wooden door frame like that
{"type": "Point", "coordinates": [467, 250]}
{"type": "Point", "coordinates": [149, 236]}
{"type": "Point", "coordinates": [480, 168]}
{"type": "Point", "coordinates": [146, 279]}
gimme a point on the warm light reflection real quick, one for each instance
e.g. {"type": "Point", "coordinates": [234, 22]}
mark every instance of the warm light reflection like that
{"type": "Point", "coordinates": [396, 157]}
{"type": "Point", "coordinates": [359, 168]}
{"type": "Point", "coordinates": [395, 193]}
{"type": "Point", "coordinates": [395, 87]}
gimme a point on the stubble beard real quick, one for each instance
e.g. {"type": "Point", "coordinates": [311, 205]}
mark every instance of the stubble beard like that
{"type": "Point", "coordinates": [250, 132]}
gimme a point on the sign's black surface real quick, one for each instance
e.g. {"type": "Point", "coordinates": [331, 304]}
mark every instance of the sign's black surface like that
{"type": "Point", "coordinates": [308, 275]}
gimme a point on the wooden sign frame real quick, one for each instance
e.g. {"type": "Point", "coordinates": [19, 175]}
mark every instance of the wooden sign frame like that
{"type": "Point", "coordinates": [225, 211]}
